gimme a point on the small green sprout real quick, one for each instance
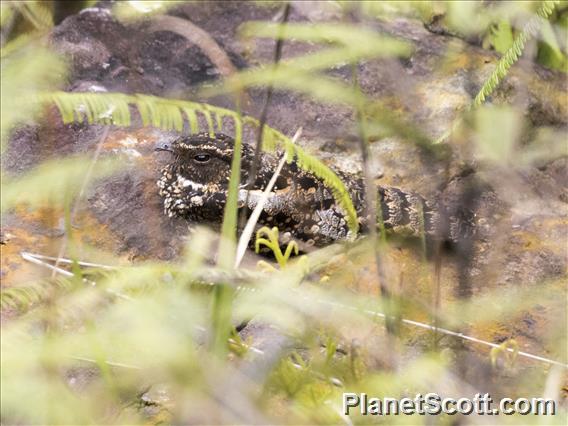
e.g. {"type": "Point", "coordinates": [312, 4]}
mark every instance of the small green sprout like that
{"type": "Point", "coordinates": [508, 350]}
{"type": "Point", "coordinates": [271, 241]}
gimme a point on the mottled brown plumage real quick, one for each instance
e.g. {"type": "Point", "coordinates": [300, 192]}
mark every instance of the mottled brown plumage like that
{"type": "Point", "coordinates": [195, 186]}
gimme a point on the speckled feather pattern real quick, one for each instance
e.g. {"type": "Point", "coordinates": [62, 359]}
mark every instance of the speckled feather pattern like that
{"type": "Point", "coordinates": [195, 186]}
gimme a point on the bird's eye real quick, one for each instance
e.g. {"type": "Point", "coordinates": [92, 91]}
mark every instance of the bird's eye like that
{"type": "Point", "coordinates": [202, 158]}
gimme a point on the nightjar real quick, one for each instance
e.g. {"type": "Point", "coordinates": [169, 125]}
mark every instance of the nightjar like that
{"type": "Point", "coordinates": [194, 186]}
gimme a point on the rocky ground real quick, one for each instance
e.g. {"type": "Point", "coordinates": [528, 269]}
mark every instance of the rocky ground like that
{"type": "Point", "coordinates": [525, 218]}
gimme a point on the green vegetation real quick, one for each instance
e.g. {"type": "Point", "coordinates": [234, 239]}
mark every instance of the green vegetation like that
{"type": "Point", "coordinates": [168, 114]}
{"type": "Point", "coordinates": [156, 342]}
{"type": "Point", "coordinates": [271, 241]}
{"type": "Point", "coordinates": [512, 54]}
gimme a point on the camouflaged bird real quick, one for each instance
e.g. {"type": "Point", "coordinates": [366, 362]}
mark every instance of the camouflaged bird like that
{"type": "Point", "coordinates": [195, 186]}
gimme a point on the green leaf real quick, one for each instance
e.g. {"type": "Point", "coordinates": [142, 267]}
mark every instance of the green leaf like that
{"type": "Point", "coordinates": [298, 74]}
{"type": "Point", "coordinates": [229, 228]}
{"type": "Point", "coordinates": [508, 60]}
{"type": "Point", "coordinates": [38, 13]}
{"type": "Point", "coordinates": [6, 13]}
{"type": "Point", "coordinates": [131, 10]}
{"type": "Point", "coordinates": [52, 181]}
{"type": "Point", "coordinates": [24, 74]}
{"type": "Point", "coordinates": [353, 44]}
{"type": "Point", "coordinates": [353, 36]}
{"type": "Point", "coordinates": [501, 36]}
{"type": "Point", "coordinates": [549, 52]}
{"type": "Point", "coordinates": [496, 143]}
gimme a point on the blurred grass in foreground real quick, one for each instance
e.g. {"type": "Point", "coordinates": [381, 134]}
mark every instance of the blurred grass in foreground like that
{"type": "Point", "coordinates": [135, 348]}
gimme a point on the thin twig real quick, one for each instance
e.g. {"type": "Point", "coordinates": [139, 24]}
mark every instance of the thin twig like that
{"type": "Point", "coordinates": [68, 261]}
{"type": "Point", "coordinates": [208, 275]}
{"type": "Point", "coordinates": [81, 192]}
{"type": "Point", "coordinates": [447, 332]}
{"type": "Point", "coordinates": [373, 210]}
{"type": "Point", "coordinates": [197, 36]}
{"type": "Point", "coordinates": [269, 91]}
{"type": "Point", "coordinates": [262, 121]}
{"type": "Point", "coordinates": [109, 363]}
{"type": "Point", "coordinates": [57, 270]}
{"type": "Point", "coordinates": [253, 219]}
{"type": "Point", "coordinates": [365, 311]}
{"type": "Point", "coordinates": [333, 380]}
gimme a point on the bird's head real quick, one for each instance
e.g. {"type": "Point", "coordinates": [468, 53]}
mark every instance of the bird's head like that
{"type": "Point", "coordinates": [205, 159]}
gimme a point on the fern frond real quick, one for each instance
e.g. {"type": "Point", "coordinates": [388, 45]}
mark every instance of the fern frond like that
{"type": "Point", "coordinates": [348, 43]}
{"type": "Point", "coordinates": [354, 36]}
{"type": "Point", "coordinates": [171, 114]}
{"type": "Point", "coordinates": [515, 51]}
{"type": "Point", "coordinates": [507, 61]}
{"type": "Point", "coordinates": [301, 74]}
{"type": "Point", "coordinates": [58, 180]}
{"type": "Point", "coordinates": [269, 238]}
{"type": "Point", "coordinates": [22, 298]}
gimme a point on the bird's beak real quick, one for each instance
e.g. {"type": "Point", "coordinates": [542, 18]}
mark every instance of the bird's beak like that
{"type": "Point", "coordinates": [158, 149]}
